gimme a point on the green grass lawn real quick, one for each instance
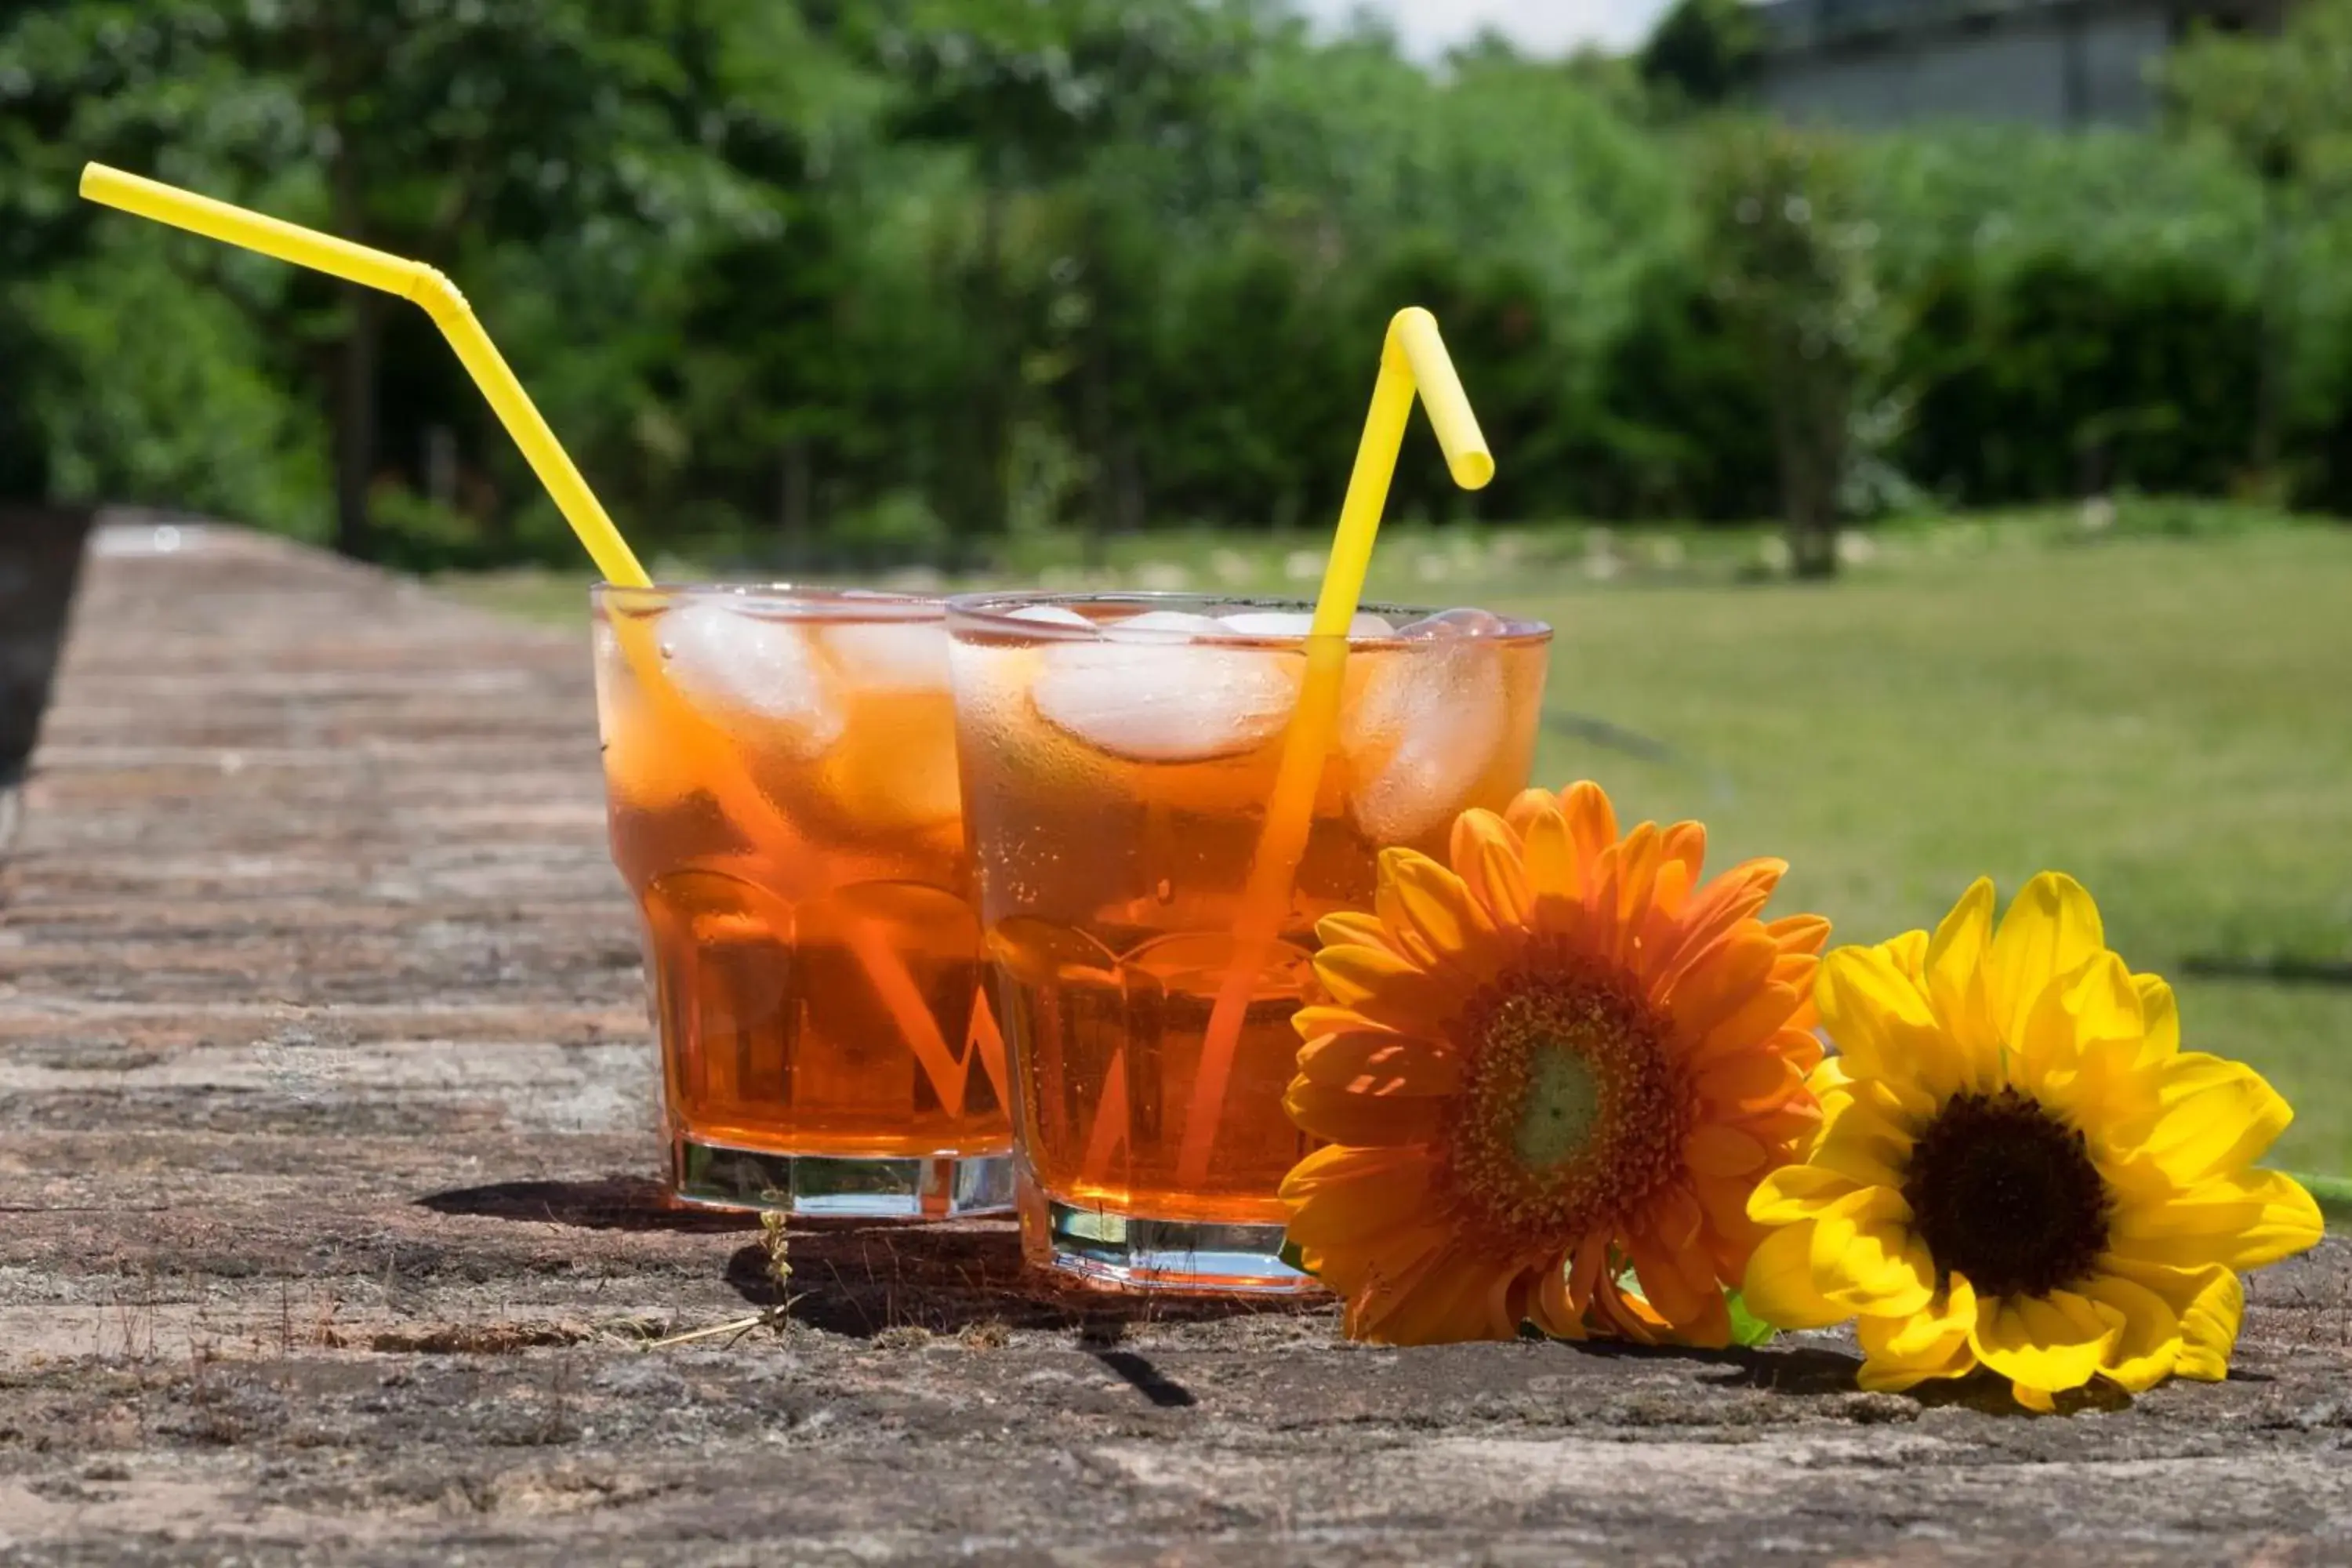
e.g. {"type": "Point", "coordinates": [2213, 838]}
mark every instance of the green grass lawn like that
{"type": "Point", "coordinates": [2170, 718]}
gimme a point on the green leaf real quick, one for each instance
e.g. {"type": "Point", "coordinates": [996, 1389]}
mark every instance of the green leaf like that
{"type": "Point", "coordinates": [1747, 1327]}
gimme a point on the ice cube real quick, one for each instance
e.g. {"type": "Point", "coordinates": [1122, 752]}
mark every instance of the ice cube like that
{"type": "Point", "coordinates": [1422, 734]}
{"type": "Point", "coordinates": [1163, 626]}
{"type": "Point", "coordinates": [1162, 704]}
{"type": "Point", "coordinates": [1456, 624]}
{"type": "Point", "coordinates": [747, 674]}
{"type": "Point", "coordinates": [1052, 615]}
{"type": "Point", "coordinates": [1297, 622]}
{"type": "Point", "coordinates": [890, 656]}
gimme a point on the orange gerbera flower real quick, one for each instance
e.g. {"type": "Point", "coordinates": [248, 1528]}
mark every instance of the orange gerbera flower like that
{"type": "Point", "coordinates": [1561, 1058]}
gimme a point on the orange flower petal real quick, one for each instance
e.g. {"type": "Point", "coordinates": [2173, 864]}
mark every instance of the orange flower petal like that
{"type": "Point", "coordinates": [1591, 820]}
{"type": "Point", "coordinates": [1351, 927]}
{"type": "Point", "coordinates": [1485, 854]}
{"type": "Point", "coordinates": [1748, 1082]}
{"type": "Point", "coordinates": [1362, 1121]}
{"type": "Point", "coordinates": [1720, 909]}
{"type": "Point", "coordinates": [1434, 908]}
{"type": "Point", "coordinates": [1367, 1062]}
{"type": "Point", "coordinates": [1758, 1020]}
{"type": "Point", "coordinates": [1799, 933]}
{"type": "Point", "coordinates": [1383, 987]}
{"type": "Point", "coordinates": [1335, 1169]}
{"type": "Point", "coordinates": [1716, 1149]}
{"type": "Point", "coordinates": [1554, 875]}
{"type": "Point", "coordinates": [1527, 805]}
{"type": "Point", "coordinates": [1349, 1212]}
{"type": "Point", "coordinates": [1317, 1019]}
{"type": "Point", "coordinates": [1725, 981]}
{"type": "Point", "coordinates": [1687, 842]}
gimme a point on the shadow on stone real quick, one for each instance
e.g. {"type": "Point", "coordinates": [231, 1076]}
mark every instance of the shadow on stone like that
{"type": "Point", "coordinates": [40, 561]}
{"type": "Point", "coordinates": [863, 1278]}
{"type": "Point", "coordinates": [610, 1203]}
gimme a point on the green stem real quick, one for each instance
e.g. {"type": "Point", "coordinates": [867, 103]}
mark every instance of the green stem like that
{"type": "Point", "coordinates": [2334, 1195]}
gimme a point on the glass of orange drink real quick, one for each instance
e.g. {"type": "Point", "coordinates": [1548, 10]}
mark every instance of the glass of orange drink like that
{"type": "Point", "coordinates": [782, 773]}
{"type": "Point", "coordinates": [1119, 752]}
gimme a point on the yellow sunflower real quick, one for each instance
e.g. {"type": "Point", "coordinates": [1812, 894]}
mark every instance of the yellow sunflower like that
{"type": "Point", "coordinates": [2018, 1166]}
{"type": "Point", "coordinates": [1562, 1058]}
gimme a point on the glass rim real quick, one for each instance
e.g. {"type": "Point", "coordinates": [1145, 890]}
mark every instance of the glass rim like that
{"type": "Point", "coordinates": [776, 601]}
{"type": "Point", "coordinates": [993, 612]}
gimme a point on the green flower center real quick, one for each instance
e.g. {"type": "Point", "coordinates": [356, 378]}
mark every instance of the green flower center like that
{"type": "Point", "coordinates": [2003, 1190]}
{"type": "Point", "coordinates": [1562, 1106]}
{"type": "Point", "coordinates": [1571, 1114]}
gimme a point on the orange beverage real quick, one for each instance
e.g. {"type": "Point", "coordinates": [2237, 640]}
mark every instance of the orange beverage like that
{"type": "Point", "coordinates": [1119, 752]}
{"type": "Point", "coordinates": [780, 767]}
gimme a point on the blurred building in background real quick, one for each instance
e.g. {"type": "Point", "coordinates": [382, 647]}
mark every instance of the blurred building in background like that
{"type": "Point", "coordinates": [2059, 64]}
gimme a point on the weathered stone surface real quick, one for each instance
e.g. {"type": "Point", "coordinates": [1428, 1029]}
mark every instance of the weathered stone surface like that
{"type": "Point", "coordinates": [328, 1231]}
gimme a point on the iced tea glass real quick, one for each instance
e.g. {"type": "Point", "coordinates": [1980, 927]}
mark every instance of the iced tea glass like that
{"type": "Point", "coordinates": [781, 769]}
{"type": "Point", "coordinates": [1119, 751]}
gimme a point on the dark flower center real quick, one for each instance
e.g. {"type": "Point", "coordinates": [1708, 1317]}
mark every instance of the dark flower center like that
{"type": "Point", "coordinates": [2004, 1191]}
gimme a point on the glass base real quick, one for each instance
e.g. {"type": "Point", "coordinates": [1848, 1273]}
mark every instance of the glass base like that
{"type": "Point", "coordinates": [922, 1187]}
{"type": "Point", "coordinates": [1136, 1252]}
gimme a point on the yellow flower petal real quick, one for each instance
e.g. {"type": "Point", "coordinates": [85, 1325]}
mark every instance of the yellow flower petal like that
{"type": "Point", "coordinates": [2212, 1116]}
{"type": "Point", "coordinates": [2160, 1011]}
{"type": "Point", "coordinates": [2144, 1352]}
{"type": "Point", "coordinates": [2048, 1343]}
{"type": "Point", "coordinates": [1908, 953]}
{"type": "Point", "coordinates": [2210, 1302]}
{"type": "Point", "coordinates": [2093, 1005]}
{"type": "Point", "coordinates": [1953, 973]}
{"type": "Point", "coordinates": [1863, 1144]}
{"type": "Point", "coordinates": [1899, 1352]}
{"type": "Point", "coordinates": [1796, 1193]}
{"type": "Point", "coordinates": [2240, 1221]}
{"type": "Point", "coordinates": [1883, 1025]}
{"type": "Point", "coordinates": [2052, 929]}
{"type": "Point", "coordinates": [1780, 1286]}
{"type": "Point", "coordinates": [1865, 1258]}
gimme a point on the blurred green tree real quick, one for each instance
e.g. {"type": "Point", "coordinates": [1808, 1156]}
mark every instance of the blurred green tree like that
{"type": "Point", "coordinates": [1703, 53]}
{"type": "Point", "coordinates": [1790, 261]}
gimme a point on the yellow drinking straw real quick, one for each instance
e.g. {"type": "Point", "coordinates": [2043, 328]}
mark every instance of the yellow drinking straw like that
{"type": "Point", "coordinates": [441, 300]}
{"type": "Point", "coordinates": [411, 280]}
{"type": "Point", "coordinates": [1412, 359]}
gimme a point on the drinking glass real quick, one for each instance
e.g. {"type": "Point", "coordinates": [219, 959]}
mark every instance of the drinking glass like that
{"type": "Point", "coordinates": [781, 768]}
{"type": "Point", "coordinates": [1119, 752]}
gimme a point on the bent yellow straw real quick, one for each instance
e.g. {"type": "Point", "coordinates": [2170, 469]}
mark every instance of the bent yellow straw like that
{"type": "Point", "coordinates": [1412, 359]}
{"type": "Point", "coordinates": [439, 298]}
{"type": "Point", "coordinates": [411, 280]}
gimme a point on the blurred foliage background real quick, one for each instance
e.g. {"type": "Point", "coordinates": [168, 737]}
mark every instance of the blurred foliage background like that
{"type": "Point", "coordinates": [849, 282]}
